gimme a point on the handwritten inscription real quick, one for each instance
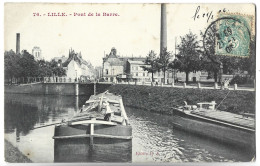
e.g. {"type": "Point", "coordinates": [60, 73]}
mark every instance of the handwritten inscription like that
{"type": "Point", "coordinates": [207, 15]}
{"type": "Point", "coordinates": [74, 14]}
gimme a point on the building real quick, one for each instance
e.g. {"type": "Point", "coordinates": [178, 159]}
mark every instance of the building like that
{"type": "Point", "coordinates": [126, 68]}
{"type": "Point", "coordinates": [37, 53]}
{"type": "Point", "coordinates": [112, 66]}
{"type": "Point", "coordinates": [137, 72]}
{"type": "Point", "coordinates": [98, 72]}
{"type": "Point", "coordinates": [135, 68]}
{"type": "Point", "coordinates": [77, 68]}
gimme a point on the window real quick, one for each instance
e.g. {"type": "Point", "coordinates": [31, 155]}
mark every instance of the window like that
{"type": "Point", "coordinates": [143, 74]}
{"type": "Point", "coordinates": [106, 71]}
{"type": "Point", "coordinates": [136, 74]}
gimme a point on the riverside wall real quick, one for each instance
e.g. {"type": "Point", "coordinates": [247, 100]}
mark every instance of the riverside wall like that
{"type": "Point", "coordinates": [57, 88]}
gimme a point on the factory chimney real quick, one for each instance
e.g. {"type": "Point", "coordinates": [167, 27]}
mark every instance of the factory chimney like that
{"type": "Point", "coordinates": [17, 43]}
{"type": "Point", "coordinates": [163, 42]}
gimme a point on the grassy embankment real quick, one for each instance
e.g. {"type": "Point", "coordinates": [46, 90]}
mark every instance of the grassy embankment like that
{"type": "Point", "coordinates": [13, 155]}
{"type": "Point", "coordinates": [161, 99]}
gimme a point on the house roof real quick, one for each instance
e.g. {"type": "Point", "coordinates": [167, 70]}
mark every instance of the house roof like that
{"type": "Point", "coordinates": [76, 57]}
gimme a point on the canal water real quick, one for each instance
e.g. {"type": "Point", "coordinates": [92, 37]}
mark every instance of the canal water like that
{"type": "Point", "coordinates": [154, 138]}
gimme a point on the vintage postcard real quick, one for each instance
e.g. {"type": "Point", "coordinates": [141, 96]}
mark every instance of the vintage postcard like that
{"type": "Point", "coordinates": [129, 83]}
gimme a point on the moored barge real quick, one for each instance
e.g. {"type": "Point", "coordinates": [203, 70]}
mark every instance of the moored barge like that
{"type": "Point", "coordinates": [100, 132]}
{"type": "Point", "coordinates": [227, 127]}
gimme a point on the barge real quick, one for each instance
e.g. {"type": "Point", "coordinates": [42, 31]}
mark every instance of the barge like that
{"type": "Point", "coordinates": [99, 132]}
{"type": "Point", "coordinates": [206, 120]}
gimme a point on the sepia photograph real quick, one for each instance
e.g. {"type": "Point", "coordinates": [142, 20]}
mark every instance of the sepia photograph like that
{"type": "Point", "coordinates": [129, 82]}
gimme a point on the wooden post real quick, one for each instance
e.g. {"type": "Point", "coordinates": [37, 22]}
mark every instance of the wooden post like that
{"type": "Point", "coordinates": [76, 89]}
{"type": "Point", "coordinates": [91, 138]}
{"type": "Point", "coordinates": [95, 88]}
{"type": "Point", "coordinates": [123, 111]}
{"type": "Point", "coordinates": [92, 127]}
{"type": "Point", "coordinates": [100, 104]}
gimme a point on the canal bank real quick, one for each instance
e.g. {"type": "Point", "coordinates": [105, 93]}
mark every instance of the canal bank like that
{"type": "Point", "coordinates": [162, 99]}
{"type": "Point", "coordinates": [57, 88]}
{"type": "Point", "coordinates": [13, 155]}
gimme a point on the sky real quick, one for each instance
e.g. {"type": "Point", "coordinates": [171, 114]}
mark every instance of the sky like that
{"type": "Point", "coordinates": [134, 32]}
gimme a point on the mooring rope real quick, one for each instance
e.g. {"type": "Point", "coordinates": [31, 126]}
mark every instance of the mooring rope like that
{"type": "Point", "coordinates": [222, 100]}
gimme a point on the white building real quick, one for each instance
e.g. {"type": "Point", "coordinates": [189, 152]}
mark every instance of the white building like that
{"type": "Point", "coordinates": [77, 68]}
{"type": "Point", "coordinates": [139, 74]}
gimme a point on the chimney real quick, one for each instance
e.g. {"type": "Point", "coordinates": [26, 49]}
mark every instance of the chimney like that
{"type": "Point", "coordinates": [163, 42]}
{"type": "Point", "coordinates": [17, 43]}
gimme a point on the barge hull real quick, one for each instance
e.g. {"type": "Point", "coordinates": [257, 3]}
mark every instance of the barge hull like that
{"type": "Point", "coordinates": [106, 144]}
{"type": "Point", "coordinates": [102, 150]}
{"type": "Point", "coordinates": [224, 133]}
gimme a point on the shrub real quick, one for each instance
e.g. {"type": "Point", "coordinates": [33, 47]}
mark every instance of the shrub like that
{"type": "Point", "coordinates": [161, 99]}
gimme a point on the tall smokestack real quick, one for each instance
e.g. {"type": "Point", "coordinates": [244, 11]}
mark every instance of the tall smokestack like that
{"type": "Point", "coordinates": [163, 42]}
{"type": "Point", "coordinates": [17, 43]}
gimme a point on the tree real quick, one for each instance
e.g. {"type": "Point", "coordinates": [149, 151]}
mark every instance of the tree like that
{"type": "Point", "coordinates": [249, 64]}
{"type": "Point", "coordinates": [57, 69]}
{"type": "Point", "coordinates": [151, 63]}
{"type": "Point", "coordinates": [11, 65]}
{"type": "Point", "coordinates": [188, 57]}
{"type": "Point", "coordinates": [44, 69]}
{"type": "Point", "coordinates": [24, 65]}
{"type": "Point", "coordinates": [164, 61]}
{"type": "Point", "coordinates": [28, 65]}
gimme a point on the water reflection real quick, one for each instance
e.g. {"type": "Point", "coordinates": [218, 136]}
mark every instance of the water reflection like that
{"type": "Point", "coordinates": [24, 112]}
{"type": "Point", "coordinates": [154, 139]}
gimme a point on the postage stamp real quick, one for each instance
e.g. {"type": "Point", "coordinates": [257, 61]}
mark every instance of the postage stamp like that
{"type": "Point", "coordinates": [234, 35]}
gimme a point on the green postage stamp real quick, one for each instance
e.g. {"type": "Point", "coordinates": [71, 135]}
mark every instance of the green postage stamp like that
{"type": "Point", "coordinates": [234, 35]}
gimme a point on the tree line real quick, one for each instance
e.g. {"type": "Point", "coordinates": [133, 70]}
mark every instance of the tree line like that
{"type": "Point", "coordinates": [193, 57]}
{"type": "Point", "coordinates": [24, 65]}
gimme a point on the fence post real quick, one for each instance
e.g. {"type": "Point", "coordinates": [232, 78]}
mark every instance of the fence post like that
{"type": "Point", "coordinates": [215, 85]}
{"type": "Point", "coordinates": [184, 85]}
{"type": "Point", "coordinates": [199, 85]}
{"type": "Point", "coordinates": [235, 86]}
